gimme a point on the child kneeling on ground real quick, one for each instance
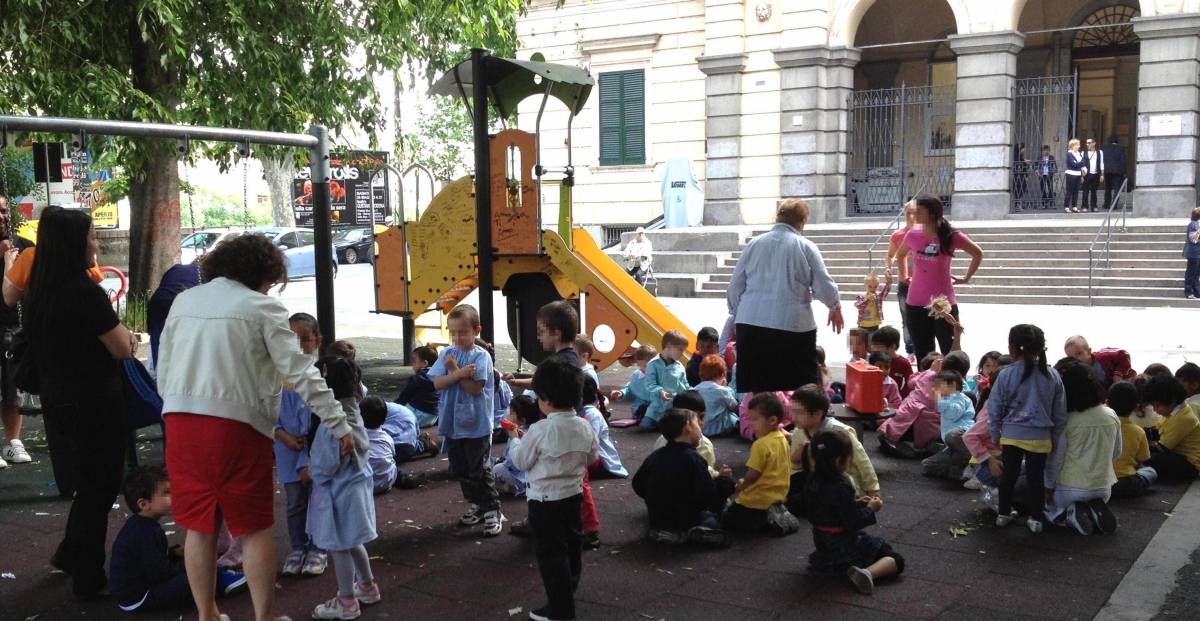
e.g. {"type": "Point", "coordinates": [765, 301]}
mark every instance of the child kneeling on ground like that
{"type": "Point", "coordinates": [763, 490]}
{"type": "Point", "coordinates": [683, 501]}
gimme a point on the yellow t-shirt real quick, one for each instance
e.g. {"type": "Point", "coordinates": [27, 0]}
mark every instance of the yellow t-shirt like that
{"type": "Point", "coordinates": [768, 455]}
{"type": "Point", "coordinates": [1180, 432]}
{"type": "Point", "coordinates": [1030, 446]}
{"type": "Point", "coordinates": [1135, 449]}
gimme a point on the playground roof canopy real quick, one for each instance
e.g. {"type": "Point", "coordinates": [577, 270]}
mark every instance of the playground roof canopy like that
{"type": "Point", "coordinates": [511, 81]}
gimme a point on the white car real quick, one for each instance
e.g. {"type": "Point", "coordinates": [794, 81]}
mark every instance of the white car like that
{"type": "Point", "coordinates": [200, 242]}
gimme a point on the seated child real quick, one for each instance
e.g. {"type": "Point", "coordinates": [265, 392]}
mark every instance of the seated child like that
{"type": "Point", "coordinates": [916, 423]}
{"type": "Point", "coordinates": [835, 390]}
{"type": "Point", "coordinates": [1189, 376]}
{"type": "Point", "coordinates": [1133, 478]}
{"type": "Point", "coordinates": [419, 394]}
{"type": "Point", "coordinates": [635, 389]}
{"type": "Point", "coordinates": [1176, 454]}
{"type": "Point", "coordinates": [522, 412]}
{"type": "Point", "coordinates": [988, 364]}
{"type": "Point", "coordinates": [706, 345]}
{"type": "Point", "coordinates": [727, 341]}
{"type": "Point", "coordinates": [665, 378]}
{"type": "Point", "coordinates": [585, 349]}
{"type": "Point", "coordinates": [381, 451]}
{"type": "Point", "coordinates": [891, 392]}
{"type": "Point", "coordinates": [958, 415]}
{"type": "Point", "coordinates": [856, 342]}
{"type": "Point", "coordinates": [838, 517]}
{"type": "Point", "coordinates": [887, 340]}
{"type": "Point", "coordinates": [682, 500]}
{"type": "Point", "coordinates": [762, 491]}
{"type": "Point", "coordinates": [341, 512]}
{"type": "Point", "coordinates": [144, 574]}
{"type": "Point", "coordinates": [720, 406]}
{"type": "Point", "coordinates": [400, 423]}
{"type": "Point", "coordinates": [691, 401]}
{"type": "Point", "coordinates": [810, 414]}
{"type": "Point", "coordinates": [1079, 473]}
{"type": "Point", "coordinates": [608, 463]}
{"type": "Point", "coordinates": [746, 424]}
{"type": "Point", "coordinates": [870, 302]}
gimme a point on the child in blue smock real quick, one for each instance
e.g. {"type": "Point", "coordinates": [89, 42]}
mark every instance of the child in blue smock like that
{"type": "Point", "coordinates": [665, 378]}
{"type": "Point", "coordinates": [341, 510]}
{"type": "Point", "coordinates": [635, 389]}
{"type": "Point", "coordinates": [720, 405]}
{"type": "Point", "coordinates": [608, 461]}
{"type": "Point", "coordinates": [510, 479]}
{"type": "Point", "coordinates": [419, 395]}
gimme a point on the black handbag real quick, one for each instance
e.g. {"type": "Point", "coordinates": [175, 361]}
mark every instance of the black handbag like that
{"type": "Point", "coordinates": [20, 360]}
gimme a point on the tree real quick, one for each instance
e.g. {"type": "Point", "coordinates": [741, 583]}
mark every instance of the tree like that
{"type": "Point", "coordinates": [441, 141]}
{"type": "Point", "coordinates": [279, 172]}
{"type": "Point", "coordinates": [265, 64]}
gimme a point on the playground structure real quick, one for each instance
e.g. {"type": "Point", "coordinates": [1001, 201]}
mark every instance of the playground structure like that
{"type": "Point", "coordinates": [426, 267]}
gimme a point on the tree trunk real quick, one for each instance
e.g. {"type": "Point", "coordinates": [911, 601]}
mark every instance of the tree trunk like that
{"type": "Point", "coordinates": [154, 221]}
{"type": "Point", "coordinates": [279, 174]}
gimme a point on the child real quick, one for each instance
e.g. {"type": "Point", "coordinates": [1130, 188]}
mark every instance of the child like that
{"type": "Point", "coordinates": [145, 574]}
{"type": "Point", "coordinates": [608, 464]}
{"type": "Point", "coordinates": [887, 340]}
{"type": "Point", "coordinates": [341, 513]}
{"type": "Point", "coordinates": [1189, 376]}
{"type": "Point", "coordinates": [956, 410]}
{"type": "Point", "coordinates": [746, 422]}
{"type": "Point", "coordinates": [1079, 472]}
{"type": "Point", "coordinates": [463, 377]}
{"type": "Point", "coordinates": [810, 413]}
{"type": "Point", "coordinates": [419, 394]}
{"type": "Point", "coordinates": [522, 412]}
{"type": "Point", "coordinates": [720, 406]}
{"type": "Point", "coordinates": [291, 460]}
{"type": "Point", "coordinates": [1133, 477]}
{"type": "Point", "coordinates": [665, 378]}
{"type": "Point", "coordinates": [585, 349]}
{"type": "Point", "coordinates": [763, 490]}
{"type": "Point", "coordinates": [691, 401]}
{"type": "Point", "coordinates": [635, 389]}
{"type": "Point", "coordinates": [706, 345]}
{"type": "Point", "coordinates": [500, 398]}
{"type": "Point", "coordinates": [1176, 455]}
{"type": "Point", "coordinates": [557, 327]}
{"type": "Point", "coordinates": [870, 302]}
{"type": "Point", "coordinates": [682, 500]}
{"type": "Point", "coordinates": [856, 342]}
{"type": "Point", "coordinates": [891, 392]}
{"type": "Point", "coordinates": [555, 454]}
{"type": "Point", "coordinates": [392, 430]}
{"type": "Point", "coordinates": [836, 390]}
{"type": "Point", "coordinates": [838, 517]}
{"type": "Point", "coordinates": [916, 423]}
{"type": "Point", "coordinates": [987, 457]}
{"type": "Point", "coordinates": [381, 452]}
{"type": "Point", "coordinates": [1028, 408]}
{"type": "Point", "coordinates": [989, 363]}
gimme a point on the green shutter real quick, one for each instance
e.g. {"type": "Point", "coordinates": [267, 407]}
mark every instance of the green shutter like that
{"type": "Point", "coordinates": [622, 118]}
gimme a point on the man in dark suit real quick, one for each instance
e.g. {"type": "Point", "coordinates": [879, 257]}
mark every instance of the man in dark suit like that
{"type": "Point", "coordinates": [1046, 169]}
{"type": "Point", "coordinates": [1114, 169]}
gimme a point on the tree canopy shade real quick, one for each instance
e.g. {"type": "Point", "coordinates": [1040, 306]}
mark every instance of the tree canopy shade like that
{"type": "Point", "coordinates": [278, 65]}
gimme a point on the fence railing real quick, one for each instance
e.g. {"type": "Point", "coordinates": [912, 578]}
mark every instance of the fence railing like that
{"type": "Point", "coordinates": [1103, 239]}
{"type": "Point", "coordinates": [892, 225]}
{"type": "Point", "coordinates": [612, 232]}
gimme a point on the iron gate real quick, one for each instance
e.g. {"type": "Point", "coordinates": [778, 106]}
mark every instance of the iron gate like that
{"type": "Point", "coordinates": [901, 143]}
{"type": "Point", "coordinates": [1043, 115]}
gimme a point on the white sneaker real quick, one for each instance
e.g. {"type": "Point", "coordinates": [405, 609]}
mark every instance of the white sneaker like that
{"type": "Point", "coordinates": [973, 484]}
{"type": "Point", "coordinates": [335, 609]}
{"type": "Point", "coordinates": [472, 516]}
{"type": "Point", "coordinates": [3, 464]}
{"type": "Point", "coordinates": [15, 453]}
{"type": "Point", "coordinates": [861, 579]}
{"type": "Point", "coordinates": [1005, 520]}
{"type": "Point", "coordinates": [493, 523]}
{"type": "Point", "coordinates": [968, 472]}
{"type": "Point", "coordinates": [1035, 526]}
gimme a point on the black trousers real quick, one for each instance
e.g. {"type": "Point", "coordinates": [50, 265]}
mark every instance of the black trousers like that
{"type": "Point", "coordinates": [469, 464]}
{"type": "Point", "coordinates": [558, 538]}
{"type": "Point", "coordinates": [1171, 466]}
{"type": "Point", "coordinates": [638, 274]}
{"type": "Point", "coordinates": [925, 330]}
{"type": "Point", "coordinates": [743, 519]}
{"type": "Point", "coordinates": [1047, 187]}
{"type": "Point", "coordinates": [902, 297]}
{"type": "Point", "coordinates": [1035, 469]}
{"type": "Point", "coordinates": [770, 360]}
{"type": "Point", "coordinates": [1191, 278]}
{"type": "Point", "coordinates": [95, 455]}
{"type": "Point", "coordinates": [1072, 191]}
{"type": "Point", "coordinates": [1112, 183]}
{"type": "Point", "coordinates": [1091, 185]}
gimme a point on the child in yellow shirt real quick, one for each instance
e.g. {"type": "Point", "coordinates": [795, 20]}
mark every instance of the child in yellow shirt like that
{"type": "Point", "coordinates": [762, 491]}
{"type": "Point", "coordinates": [1133, 479]}
{"type": "Point", "coordinates": [1176, 455]}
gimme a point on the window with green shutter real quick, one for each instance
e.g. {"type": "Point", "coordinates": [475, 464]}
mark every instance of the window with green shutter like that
{"type": "Point", "coordinates": [623, 118]}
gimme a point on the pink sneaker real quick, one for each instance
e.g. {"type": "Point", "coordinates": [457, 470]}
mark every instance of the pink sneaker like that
{"type": "Point", "coordinates": [338, 608]}
{"type": "Point", "coordinates": [367, 593]}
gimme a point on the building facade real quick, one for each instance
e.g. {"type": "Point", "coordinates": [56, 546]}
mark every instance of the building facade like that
{"type": "Point", "coordinates": [855, 105]}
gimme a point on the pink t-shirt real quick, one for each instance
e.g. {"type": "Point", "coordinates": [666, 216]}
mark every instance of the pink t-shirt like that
{"type": "Point", "coordinates": [931, 268]}
{"type": "Point", "coordinates": [897, 239]}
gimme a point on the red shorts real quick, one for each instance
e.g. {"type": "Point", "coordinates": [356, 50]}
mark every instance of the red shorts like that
{"type": "Point", "coordinates": [219, 465]}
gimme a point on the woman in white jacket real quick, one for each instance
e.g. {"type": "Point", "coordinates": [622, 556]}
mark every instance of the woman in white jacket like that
{"type": "Point", "coordinates": [225, 355]}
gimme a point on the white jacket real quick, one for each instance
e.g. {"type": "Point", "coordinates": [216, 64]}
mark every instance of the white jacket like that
{"type": "Point", "coordinates": [227, 351]}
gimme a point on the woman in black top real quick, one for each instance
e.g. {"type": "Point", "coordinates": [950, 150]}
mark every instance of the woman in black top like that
{"type": "Point", "coordinates": [77, 342]}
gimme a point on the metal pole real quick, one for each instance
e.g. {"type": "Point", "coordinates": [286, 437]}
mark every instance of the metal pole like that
{"type": "Point", "coordinates": [903, 142]}
{"type": "Point", "coordinates": [483, 191]}
{"type": "Point", "coordinates": [319, 174]}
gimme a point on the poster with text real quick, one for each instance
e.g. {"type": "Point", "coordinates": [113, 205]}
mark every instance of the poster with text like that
{"type": "Point", "coordinates": [350, 190]}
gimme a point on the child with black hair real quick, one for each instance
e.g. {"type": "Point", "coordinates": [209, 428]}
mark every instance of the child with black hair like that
{"type": "Point", "coordinates": [810, 414]}
{"type": "Point", "coordinates": [608, 463]}
{"type": "Point", "coordinates": [501, 395]}
{"type": "Point", "coordinates": [957, 414]}
{"type": "Point", "coordinates": [887, 340]}
{"type": "Point", "coordinates": [891, 392]}
{"type": "Point", "coordinates": [522, 412]}
{"type": "Point", "coordinates": [392, 430]}
{"type": "Point", "coordinates": [585, 349]}
{"type": "Point", "coordinates": [1189, 376]}
{"type": "Point", "coordinates": [693, 401]}
{"type": "Point", "coordinates": [1134, 478]}
{"type": "Point", "coordinates": [144, 573]}
{"type": "Point", "coordinates": [706, 345]}
{"type": "Point", "coordinates": [635, 389]}
{"type": "Point", "coordinates": [554, 454]}
{"type": "Point", "coordinates": [1026, 411]}
{"type": "Point", "coordinates": [419, 394]}
{"type": "Point", "coordinates": [341, 510]}
{"type": "Point", "coordinates": [381, 452]}
{"type": "Point", "coordinates": [682, 500]}
{"type": "Point", "coordinates": [665, 378]}
{"type": "Point", "coordinates": [988, 363]}
{"type": "Point", "coordinates": [762, 491]}
{"type": "Point", "coordinates": [1176, 454]}
{"type": "Point", "coordinates": [291, 460]}
{"type": "Point", "coordinates": [838, 518]}
{"type": "Point", "coordinates": [557, 327]}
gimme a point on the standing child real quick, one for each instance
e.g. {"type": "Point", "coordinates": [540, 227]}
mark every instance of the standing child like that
{"type": "Point", "coordinates": [870, 302]}
{"type": "Point", "coordinates": [463, 376]}
{"type": "Point", "coordinates": [341, 514]}
{"type": "Point", "coordinates": [1176, 454]}
{"type": "Point", "coordinates": [887, 340]}
{"type": "Point", "coordinates": [763, 490]}
{"type": "Point", "coordinates": [635, 389]}
{"type": "Point", "coordinates": [522, 413]}
{"type": "Point", "coordinates": [706, 345]}
{"type": "Point", "coordinates": [665, 378]}
{"type": "Point", "coordinates": [1027, 409]}
{"type": "Point", "coordinates": [1133, 478]}
{"type": "Point", "coordinates": [720, 406]}
{"type": "Point", "coordinates": [838, 518]}
{"type": "Point", "coordinates": [144, 574]}
{"type": "Point", "coordinates": [419, 394]}
{"type": "Point", "coordinates": [810, 413]}
{"type": "Point", "coordinates": [555, 454]}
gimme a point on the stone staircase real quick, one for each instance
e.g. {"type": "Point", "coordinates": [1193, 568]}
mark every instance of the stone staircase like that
{"type": "Point", "coordinates": [1026, 262]}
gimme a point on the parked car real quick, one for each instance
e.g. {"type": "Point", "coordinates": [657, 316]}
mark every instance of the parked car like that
{"type": "Point", "coordinates": [200, 242]}
{"type": "Point", "coordinates": [298, 246]}
{"type": "Point", "coordinates": [354, 245]}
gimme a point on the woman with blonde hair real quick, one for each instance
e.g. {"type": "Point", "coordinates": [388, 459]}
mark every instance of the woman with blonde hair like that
{"type": "Point", "coordinates": [1074, 175]}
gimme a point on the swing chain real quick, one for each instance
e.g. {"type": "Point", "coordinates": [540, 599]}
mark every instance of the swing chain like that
{"type": "Point", "coordinates": [244, 150]}
{"type": "Point", "coordinates": [185, 150]}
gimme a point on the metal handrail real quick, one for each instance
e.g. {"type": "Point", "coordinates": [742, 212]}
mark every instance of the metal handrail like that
{"type": "Point", "coordinates": [887, 230]}
{"type": "Point", "coordinates": [1105, 230]}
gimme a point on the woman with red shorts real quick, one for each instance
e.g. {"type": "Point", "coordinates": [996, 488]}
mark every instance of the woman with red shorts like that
{"type": "Point", "coordinates": [225, 354]}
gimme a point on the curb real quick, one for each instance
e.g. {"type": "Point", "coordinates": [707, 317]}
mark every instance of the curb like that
{"type": "Point", "coordinates": [1152, 577]}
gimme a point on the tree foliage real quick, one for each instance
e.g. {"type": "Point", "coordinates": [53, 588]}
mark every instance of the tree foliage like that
{"type": "Point", "coordinates": [442, 140]}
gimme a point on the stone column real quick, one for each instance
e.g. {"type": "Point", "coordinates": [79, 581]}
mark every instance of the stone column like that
{"type": "Point", "coordinates": [1168, 105]}
{"type": "Point", "coordinates": [987, 71]}
{"type": "Point", "coordinates": [814, 89]}
{"type": "Point", "coordinates": [722, 136]}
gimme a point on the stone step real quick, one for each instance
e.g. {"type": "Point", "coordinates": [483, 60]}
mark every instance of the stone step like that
{"type": "Point", "coordinates": [1017, 243]}
{"type": "Point", "coordinates": [992, 237]}
{"type": "Point", "coordinates": [1073, 278]}
{"type": "Point", "coordinates": [1178, 301]}
{"type": "Point", "coordinates": [1125, 288]}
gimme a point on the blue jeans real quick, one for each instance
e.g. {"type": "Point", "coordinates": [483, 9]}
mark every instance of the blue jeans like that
{"type": "Point", "coordinates": [297, 515]}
